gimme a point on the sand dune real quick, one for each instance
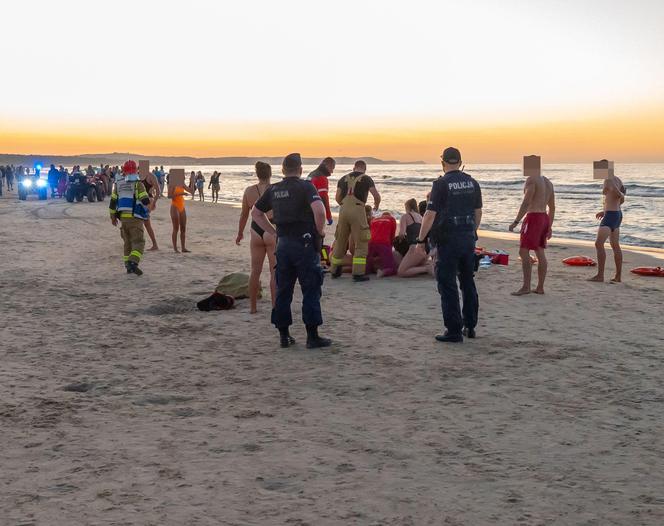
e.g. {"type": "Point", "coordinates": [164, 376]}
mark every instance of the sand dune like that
{"type": "Point", "coordinates": [121, 404]}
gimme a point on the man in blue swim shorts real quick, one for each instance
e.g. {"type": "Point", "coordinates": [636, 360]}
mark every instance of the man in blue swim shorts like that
{"type": "Point", "coordinates": [609, 228]}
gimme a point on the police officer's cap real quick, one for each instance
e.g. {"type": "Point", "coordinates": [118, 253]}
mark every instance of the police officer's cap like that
{"type": "Point", "coordinates": [451, 155]}
{"type": "Point", "coordinates": [292, 162]}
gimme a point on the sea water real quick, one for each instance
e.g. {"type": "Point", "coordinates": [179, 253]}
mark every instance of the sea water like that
{"type": "Point", "coordinates": [578, 196]}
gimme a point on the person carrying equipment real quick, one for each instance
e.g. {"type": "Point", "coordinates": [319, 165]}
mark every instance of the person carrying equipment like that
{"type": "Point", "coordinates": [352, 193]}
{"type": "Point", "coordinates": [129, 204]}
{"type": "Point", "coordinates": [299, 216]}
{"type": "Point", "coordinates": [319, 179]}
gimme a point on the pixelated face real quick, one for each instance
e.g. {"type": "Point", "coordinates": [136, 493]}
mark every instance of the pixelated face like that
{"type": "Point", "coordinates": [602, 169]}
{"type": "Point", "coordinates": [532, 165]}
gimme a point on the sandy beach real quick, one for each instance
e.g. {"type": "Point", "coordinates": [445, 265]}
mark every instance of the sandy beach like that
{"type": "Point", "coordinates": [121, 404]}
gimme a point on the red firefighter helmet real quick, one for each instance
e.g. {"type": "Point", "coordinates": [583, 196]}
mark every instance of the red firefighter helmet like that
{"type": "Point", "coordinates": [129, 168]}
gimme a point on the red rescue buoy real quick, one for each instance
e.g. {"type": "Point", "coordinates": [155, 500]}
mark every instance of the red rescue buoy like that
{"type": "Point", "coordinates": [579, 261]}
{"type": "Point", "coordinates": [649, 271]}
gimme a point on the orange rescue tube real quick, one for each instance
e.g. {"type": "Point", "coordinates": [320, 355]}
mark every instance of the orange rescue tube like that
{"type": "Point", "coordinates": [649, 271]}
{"type": "Point", "coordinates": [579, 261]}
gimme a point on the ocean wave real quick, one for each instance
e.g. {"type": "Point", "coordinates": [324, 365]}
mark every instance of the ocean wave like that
{"type": "Point", "coordinates": [579, 190]}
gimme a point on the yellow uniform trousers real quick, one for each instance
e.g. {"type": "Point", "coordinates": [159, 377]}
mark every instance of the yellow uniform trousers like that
{"type": "Point", "coordinates": [134, 240]}
{"type": "Point", "coordinates": [352, 221]}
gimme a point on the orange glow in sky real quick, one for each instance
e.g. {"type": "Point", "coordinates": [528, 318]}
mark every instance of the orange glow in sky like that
{"type": "Point", "coordinates": [628, 137]}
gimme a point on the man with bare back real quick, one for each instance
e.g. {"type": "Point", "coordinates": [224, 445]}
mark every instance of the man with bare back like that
{"type": "Point", "coordinates": [538, 207]}
{"type": "Point", "coordinates": [614, 196]}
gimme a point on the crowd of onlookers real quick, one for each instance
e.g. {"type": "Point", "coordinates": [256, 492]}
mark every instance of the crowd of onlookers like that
{"type": "Point", "coordinates": [57, 178]}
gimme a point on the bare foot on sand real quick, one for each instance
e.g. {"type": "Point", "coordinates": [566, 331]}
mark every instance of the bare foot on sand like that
{"type": "Point", "coordinates": [176, 250]}
{"type": "Point", "coordinates": [253, 311]}
{"type": "Point", "coordinates": [186, 250]}
{"type": "Point", "coordinates": [520, 292]}
{"type": "Point", "coordinates": [616, 279]}
{"type": "Point", "coordinates": [153, 248]}
{"type": "Point", "coordinates": [538, 291]}
{"type": "Point", "coordinates": [597, 278]}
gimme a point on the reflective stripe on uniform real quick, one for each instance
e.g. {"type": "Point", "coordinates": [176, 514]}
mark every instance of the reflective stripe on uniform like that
{"type": "Point", "coordinates": [125, 258]}
{"type": "Point", "coordinates": [359, 261]}
{"type": "Point", "coordinates": [337, 261]}
{"type": "Point", "coordinates": [136, 254]}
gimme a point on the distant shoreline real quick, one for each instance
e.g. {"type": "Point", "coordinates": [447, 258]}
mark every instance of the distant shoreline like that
{"type": "Point", "coordinates": [116, 158]}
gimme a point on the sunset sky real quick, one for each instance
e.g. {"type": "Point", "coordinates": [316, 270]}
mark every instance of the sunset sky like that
{"type": "Point", "coordinates": [571, 80]}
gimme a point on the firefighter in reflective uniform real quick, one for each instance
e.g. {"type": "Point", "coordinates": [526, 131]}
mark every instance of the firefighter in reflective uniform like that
{"type": "Point", "coordinates": [352, 193]}
{"type": "Point", "coordinates": [129, 205]}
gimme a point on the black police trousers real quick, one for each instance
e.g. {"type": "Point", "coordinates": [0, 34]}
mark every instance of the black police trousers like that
{"type": "Point", "coordinates": [456, 258]}
{"type": "Point", "coordinates": [297, 259]}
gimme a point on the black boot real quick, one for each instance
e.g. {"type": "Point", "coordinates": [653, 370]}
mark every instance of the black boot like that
{"type": "Point", "coordinates": [470, 333]}
{"type": "Point", "coordinates": [337, 272]}
{"type": "Point", "coordinates": [358, 278]}
{"type": "Point", "coordinates": [285, 338]}
{"type": "Point", "coordinates": [450, 337]}
{"type": "Point", "coordinates": [132, 268]}
{"type": "Point", "coordinates": [314, 341]}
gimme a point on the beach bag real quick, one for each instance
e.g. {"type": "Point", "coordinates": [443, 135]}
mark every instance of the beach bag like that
{"type": "Point", "coordinates": [236, 284]}
{"type": "Point", "coordinates": [216, 301]}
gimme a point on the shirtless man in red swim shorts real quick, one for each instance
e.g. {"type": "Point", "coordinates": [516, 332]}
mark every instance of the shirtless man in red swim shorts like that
{"type": "Point", "coordinates": [538, 196]}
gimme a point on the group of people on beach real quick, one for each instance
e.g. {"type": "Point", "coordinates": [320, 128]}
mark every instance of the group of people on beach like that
{"type": "Point", "coordinates": [436, 236]}
{"type": "Point", "coordinates": [367, 243]}
{"type": "Point", "coordinates": [197, 185]}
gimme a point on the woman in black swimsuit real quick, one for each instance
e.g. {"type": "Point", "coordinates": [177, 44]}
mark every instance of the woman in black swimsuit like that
{"type": "Point", "coordinates": [413, 263]}
{"type": "Point", "coordinates": [261, 243]}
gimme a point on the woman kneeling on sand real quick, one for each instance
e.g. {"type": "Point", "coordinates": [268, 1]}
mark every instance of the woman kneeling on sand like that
{"type": "Point", "coordinates": [179, 215]}
{"type": "Point", "coordinates": [262, 243]}
{"type": "Point", "coordinates": [413, 263]}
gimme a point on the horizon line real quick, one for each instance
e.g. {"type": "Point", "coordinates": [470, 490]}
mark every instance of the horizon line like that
{"type": "Point", "coordinates": [309, 157]}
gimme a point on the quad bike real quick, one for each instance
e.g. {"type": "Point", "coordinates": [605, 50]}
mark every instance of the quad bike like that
{"type": "Point", "coordinates": [28, 185]}
{"type": "Point", "coordinates": [81, 186]}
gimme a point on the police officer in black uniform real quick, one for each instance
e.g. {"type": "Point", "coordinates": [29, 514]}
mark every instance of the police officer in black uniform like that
{"type": "Point", "coordinates": [299, 215]}
{"type": "Point", "coordinates": [451, 221]}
